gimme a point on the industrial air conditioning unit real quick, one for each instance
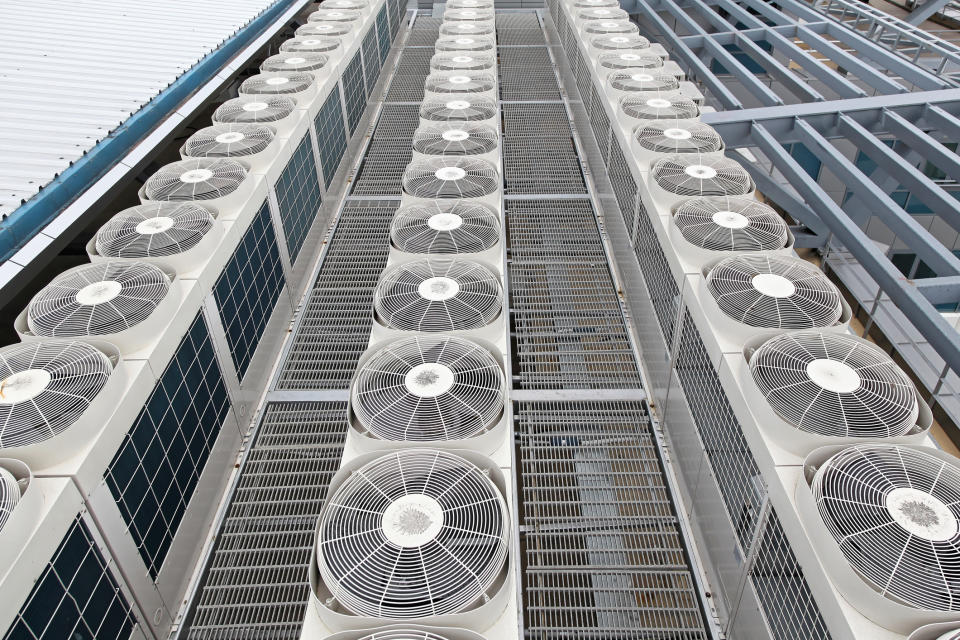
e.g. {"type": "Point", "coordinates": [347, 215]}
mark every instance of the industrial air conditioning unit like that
{"type": "Point", "coordinates": [453, 228]}
{"type": "Point", "coordinates": [460, 43]}
{"type": "Point", "coordinates": [462, 108]}
{"type": "Point", "coordinates": [448, 179]}
{"type": "Point", "coordinates": [638, 108]}
{"type": "Point", "coordinates": [457, 139]}
{"type": "Point", "coordinates": [447, 86]}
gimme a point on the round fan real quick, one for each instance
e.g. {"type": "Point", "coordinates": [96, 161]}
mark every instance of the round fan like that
{"type": "Point", "coordinates": [696, 175]}
{"type": "Point", "coordinates": [228, 140]}
{"type": "Point", "coordinates": [949, 635]}
{"type": "Point", "coordinates": [738, 223]}
{"type": "Point", "coordinates": [638, 80]}
{"type": "Point", "coordinates": [656, 106]}
{"type": "Point", "coordinates": [460, 139]}
{"type": "Point", "coordinates": [593, 4]}
{"type": "Point", "coordinates": [437, 295]}
{"type": "Point", "coordinates": [45, 387]}
{"type": "Point", "coordinates": [321, 30]}
{"type": "Point", "coordinates": [468, 15]}
{"type": "Point", "coordinates": [610, 14]}
{"type": "Point", "coordinates": [154, 230]}
{"type": "Point", "coordinates": [458, 110]}
{"type": "Point", "coordinates": [276, 83]}
{"type": "Point", "coordinates": [333, 15]}
{"type": "Point", "coordinates": [893, 511]}
{"type": "Point", "coordinates": [835, 385]}
{"type": "Point", "coordinates": [777, 292]}
{"type": "Point", "coordinates": [9, 495]}
{"type": "Point", "coordinates": [464, 43]}
{"type": "Point", "coordinates": [343, 5]}
{"type": "Point", "coordinates": [296, 62]}
{"type": "Point", "coordinates": [610, 27]}
{"type": "Point", "coordinates": [466, 29]}
{"type": "Point", "coordinates": [252, 110]}
{"type": "Point", "coordinates": [413, 533]}
{"type": "Point", "coordinates": [428, 388]}
{"type": "Point", "coordinates": [197, 179]}
{"type": "Point", "coordinates": [97, 299]}
{"type": "Point", "coordinates": [677, 136]}
{"type": "Point", "coordinates": [450, 178]}
{"type": "Point", "coordinates": [460, 83]}
{"type": "Point", "coordinates": [461, 61]}
{"type": "Point", "coordinates": [469, 4]}
{"type": "Point", "coordinates": [445, 228]}
{"type": "Point", "coordinates": [630, 60]}
{"type": "Point", "coordinates": [405, 633]}
{"type": "Point", "coordinates": [620, 41]}
{"type": "Point", "coordinates": [310, 45]}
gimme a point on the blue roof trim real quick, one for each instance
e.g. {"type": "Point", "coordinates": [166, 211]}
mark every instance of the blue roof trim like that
{"type": "Point", "coordinates": [37, 212]}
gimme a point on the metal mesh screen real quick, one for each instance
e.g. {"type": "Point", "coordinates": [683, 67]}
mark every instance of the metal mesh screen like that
{"type": "Point", "coordinates": [624, 186]}
{"type": "Point", "coordinates": [600, 123]}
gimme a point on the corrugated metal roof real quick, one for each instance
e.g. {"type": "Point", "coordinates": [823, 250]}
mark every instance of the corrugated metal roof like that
{"type": "Point", "coordinates": [70, 73]}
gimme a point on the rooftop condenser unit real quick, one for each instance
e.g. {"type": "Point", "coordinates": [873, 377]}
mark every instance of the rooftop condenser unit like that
{"type": "Point", "coordinates": [454, 228]}
{"type": "Point", "coordinates": [325, 30]}
{"type": "Point", "coordinates": [444, 86]}
{"type": "Point", "coordinates": [459, 109]}
{"type": "Point", "coordinates": [479, 44]}
{"type": "Point", "coordinates": [634, 81]}
{"type": "Point", "coordinates": [618, 42]}
{"type": "Point", "coordinates": [318, 44]}
{"type": "Point", "coordinates": [462, 61]}
{"type": "Point", "coordinates": [315, 64]}
{"type": "Point", "coordinates": [655, 105]}
{"type": "Point", "coordinates": [675, 178]}
{"type": "Point", "coordinates": [277, 112]}
{"type": "Point", "coordinates": [470, 4]}
{"type": "Point", "coordinates": [457, 139]}
{"type": "Point", "coordinates": [472, 29]}
{"type": "Point", "coordinates": [407, 632]}
{"type": "Point", "coordinates": [443, 178]}
{"type": "Point", "coordinates": [654, 139]}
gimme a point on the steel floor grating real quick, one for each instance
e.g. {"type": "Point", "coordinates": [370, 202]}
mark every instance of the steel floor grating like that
{"type": "Point", "coordinates": [413, 68]}
{"type": "Point", "coordinates": [424, 32]}
{"type": "Point", "coordinates": [256, 585]}
{"type": "Point", "coordinates": [545, 165]}
{"type": "Point", "coordinates": [603, 552]}
{"type": "Point", "coordinates": [527, 73]}
{"type": "Point", "coordinates": [519, 30]}
{"type": "Point", "coordinates": [389, 151]}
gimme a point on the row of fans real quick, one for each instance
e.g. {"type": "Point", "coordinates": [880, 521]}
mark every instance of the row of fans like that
{"type": "Point", "coordinates": [415, 526]}
{"type": "Point", "coordinates": [880, 505]}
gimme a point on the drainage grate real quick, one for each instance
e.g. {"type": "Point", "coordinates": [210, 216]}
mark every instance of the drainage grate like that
{"type": "Point", "coordinates": [603, 551]}
{"type": "Point", "coordinates": [526, 73]}
{"type": "Point", "coordinates": [389, 151]}
{"type": "Point", "coordinates": [256, 585]}
{"type": "Point", "coordinates": [335, 327]}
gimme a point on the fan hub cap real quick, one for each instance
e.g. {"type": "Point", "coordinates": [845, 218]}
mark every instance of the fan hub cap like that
{"type": "Point", "coordinates": [455, 135]}
{"type": "Point", "coordinates": [438, 288]}
{"type": "Point", "coordinates": [255, 106]}
{"type": "Point", "coordinates": [677, 134]}
{"type": "Point", "coordinates": [151, 226]}
{"type": "Point", "coordinates": [229, 137]}
{"type": "Point", "coordinates": [295, 60]}
{"type": "Point", "coordinates": [444, 222]}
{"type": "Point", "coordinates": [658, 103]}
{"type": "Point", "coordinates": [833, 375]}
{"type": "Point", "coordinates": [99, 292]}
{"type": "Point", "coordinates": [619, 39]}
{"type": "Point", "coordinates": [773, 285]}
{"type": "Point", "coordinates": [921, 514]}
{"type": "Point", "coordinates": [450, 173]}
{"type": "Point", "coordinates": [468, 13]}
{"type": "Point", "coordinates": [277, 81]}
{"type": "Point", "coordinates": [323, 27]}
{"type": "Point", "coordinates": [459, 79]}
{"type": "Point", "coordinates": [23, 386]}
{"type": "Point", "coordinates": [701, 172]}
{"type": "Point", "coordinates": [465, 27]}
{"type": "Point", "coordinates": [730, 220]}
{"type": "Point", "coordinates": [196, 175]}
{"type": "Point", "coordinates": [412, 520]}
{"type": "Point", "coordinates": [462, 59]}
{"type": "Point", "coordinates": [464, 41]}
{"type": "Point", "coordinates": [429, 380]}
{"type": "Point", "coordinates": [629, 57]}
{"type": "Point", "coordinates": [458, 105]}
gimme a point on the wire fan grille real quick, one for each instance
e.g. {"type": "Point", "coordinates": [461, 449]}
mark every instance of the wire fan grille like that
{"type": "Point", "coordinates": [450, 178]}
{"type": "Point", "coordinates": [454, 140]}
{"type": "Point", "coordinates": [642, 81]}
{"type": "Point", "coordinates": [9, 495]}
{"type": "Point", "coordinates": [445, 228]}
{"type": "Point", "coordinates": [469, 4]}
{"type": "Point", "coordinates": [687, 175]}
{"type": "Point", "coordinates": [428, 388]}
{"type": "Point", "coordinates": [403, 634]}
{"type": "Point", "coordinates": [342, 5]}
{"type": "Point", "coordinates": [317, 30]}
{"type": "Point", "coordinates": [468, 110]}
{"type": "Point", "coordinates": [657, 106]}
{"type": "Point", "coordinates": [460, 83]}
{"type": "Point", "coordinates": [464, 43]}
{"type": "Point", "coordinates": [738, 223]}
{"type": "Point", "coordinates": [228, 140]}
{"type": "Point", "coordinates": [468, 14]}
{"type": "Point", "coordinates": [672, 136]}
{"type": "Point", "coordinates": [294, 62]}
{"type": "Point", "coordinates": [835, 385]}
{"type": "Point", "coordinates": [252, 110]}
{"type": "Point", "coordinates": [438, 295]}
{"type": "Point", "coordinates": [593, 4]}
{"type": "Point", "coordinates": [414, 533]}
{"type": "Point", "coordinates": [197, 179]}
{"type": "Point", "coordinates": [620, 41]}
{"type": "Point", "coordinates": [319, 44]}
{"type": "Point", "coordinates": [628, 60]}
{"type": "Point", "coordinates": [604, 13]}
{"type": "Point", "coordinates": [276, 83]}
{"type": "Point", "coordinates": [466, 29]}
{"type": "Point", "coordinates": [777, 292]}
{"type": "Point", "coordinates": [461, 62]}
{"type": "Point", "coordinates": [154, 230]}
{"type": "Point", "coordinates": [333, 15]}
{"type": "Point", "coordinates": [610, 27]}
{"type": "Point", "coordinates": [893, 511]}
{"type": "Point", "coordinates": [97, 299]}
{"type": "Point", "coordinates": [45, 387]}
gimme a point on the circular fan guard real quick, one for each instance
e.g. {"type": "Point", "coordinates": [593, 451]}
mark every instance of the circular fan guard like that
{"type": "Point", "coordinates": [611, 27]}
{"type": "Point", "coordinates": [411, 534]}
{"type": "Point", "coordinates": [672, 136]}
{"type": "Point", "coordinates": [630, 60]}
{"type": "Point", "coordinates": [276, 83]}
{"type": "Point", "coordinates": [464, 43]}
{"type": "Point", "coordinates": [333, 15]}
{"type": "Point", "coordinates": [469, 4]}
{"type": "Point", "coordinates": [639, 80]}
{"type": "Point", "coordinates": [197, 179]}
{"type": "Point", "coordinates": [835, 385]}
{"type": "Point", "coordinates": [604, 13]}
{"type": "Point", "coordinates": [9, 496]}
{"type": "Point", "coordinates": [460, 83]}
{"type": "Point", "coordinates": [450, 178]}
{"type": "Point", "coordinates": [97, 299]}
{"type": "Point", "coordinates": [310, 45]}
{"type": "Point", "coordinates": [593, 4]}
{"type": "Point", "coordinates": [254, 109]}
{"type": "Point", "coordinates": [320, 30]}
{"type": "Point", "coordinates": [428, 389]}
{"type": "Point", "coordinates": [466, 29]}
{"type": "Point", "coordinates": [228, 140]}
{"type": "Point", "coordinates": [736, 223]}
{"type": "Point", "coordinates": [657, 106]}
{"type": "Point", "coordinates": [295, 62]}
{"type": "Point", "coordinates": [45, 387]}
{"type": "Point", "coordinates": [440, 228]}
{"type": "Point", "coordinates": [617, 42]}
{"type": "Point", "coordinates": [893, 511]}
{"type": "Point", "coordinates": [454, 140]}
{"type": "Point", "coordinates": [403, 634]}
{"type": "Point", "coordinates": [437, 295]}
{"type": "Point", "coordinates": [470, 14]}
{"type": "Point", "coordinates": [461, 61]}
{"type": "Point", "coordinates": [154, 230]}
{"type": "Point", "coordinates": [776, 292]}
{"type": "Point", "coordinates": [695, 175]}
{"type": "Point", "coordinates": [458, 110]}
